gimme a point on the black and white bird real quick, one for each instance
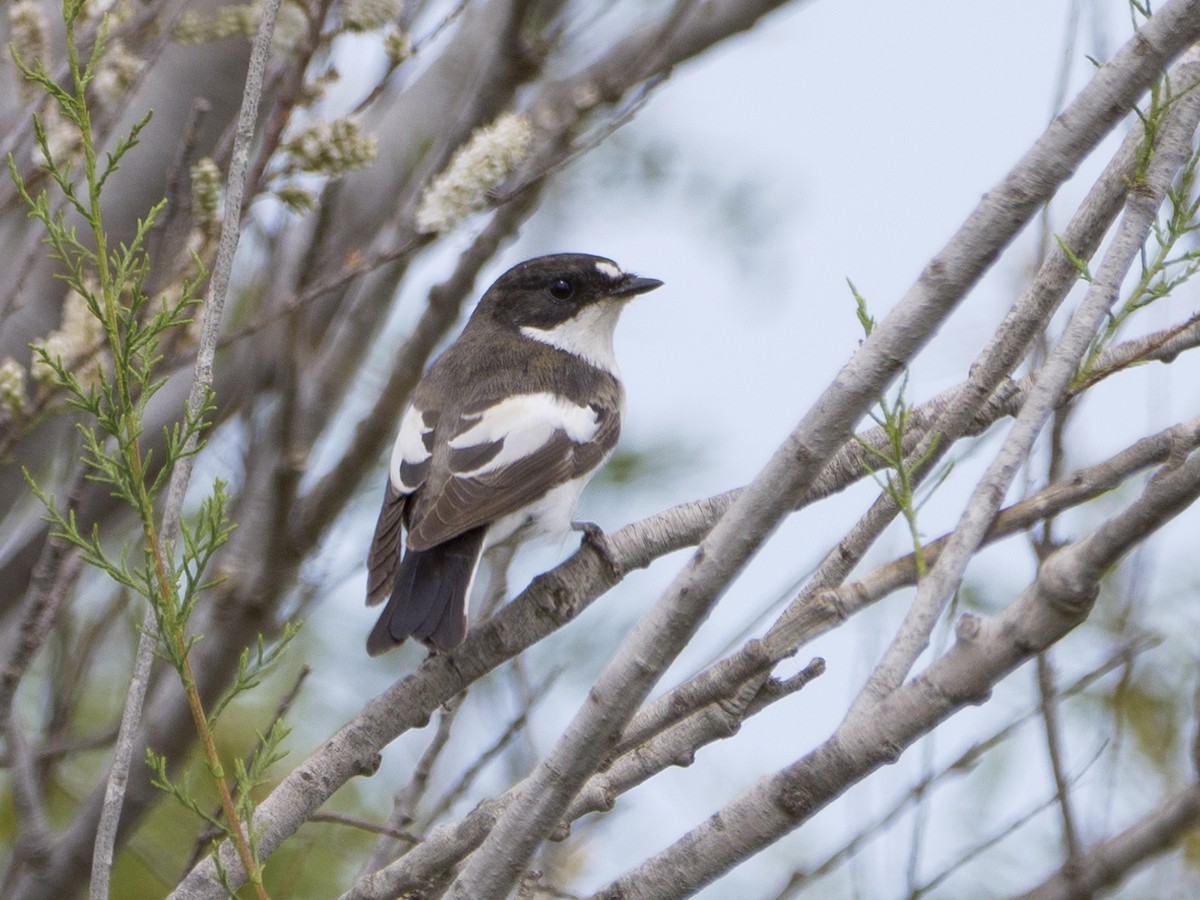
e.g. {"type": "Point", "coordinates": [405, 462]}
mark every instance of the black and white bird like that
{"type": "Point", "coordinates": [503, 432]}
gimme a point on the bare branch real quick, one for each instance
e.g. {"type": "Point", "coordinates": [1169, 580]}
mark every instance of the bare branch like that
{"type": "Point", "coordinates": [1108, 862]}
{"type": "Point", "coordinates": [1048, 693]}
{"type": "Point", "coordinates": [1172, 149]}
{"type": "Point", "coordinates": [963, 764]}
{"type": "Point", "coordinates": [986, 650]}
{"type": "Point", "coordinates": [404, 805]}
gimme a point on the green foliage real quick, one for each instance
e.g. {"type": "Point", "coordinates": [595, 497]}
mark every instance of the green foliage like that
{"type": "Point", "coordinates": [898, 473]}
{"type": "Point", "coordinates": [110, 384]}
{"type": "Point", "coordinates": [865, 319]}
{"type": "Point", "coordinates": [111, 284]}
{"type": "Point", "coordinates": [253, 667]}
{"type": "Point", "coordinates": [1173, 258]}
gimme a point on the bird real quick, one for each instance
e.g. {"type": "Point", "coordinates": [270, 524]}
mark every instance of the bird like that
{"type": "Point", "coordinates": [498, 440]}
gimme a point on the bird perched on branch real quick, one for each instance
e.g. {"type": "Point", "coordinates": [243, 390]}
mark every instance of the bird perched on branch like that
{"type": "Point", "coordinates": [502, 434]}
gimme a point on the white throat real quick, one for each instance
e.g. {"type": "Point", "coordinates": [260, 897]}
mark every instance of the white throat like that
{"type": "Point", "coordinates": [589, 335]}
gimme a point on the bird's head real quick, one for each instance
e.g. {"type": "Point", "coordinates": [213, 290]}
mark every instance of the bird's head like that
{"type": "Point", "coordinates": [548, 291]}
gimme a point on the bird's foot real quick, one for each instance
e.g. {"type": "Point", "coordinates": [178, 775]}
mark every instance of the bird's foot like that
{"type": "Point", "coordinates": [594, 536]}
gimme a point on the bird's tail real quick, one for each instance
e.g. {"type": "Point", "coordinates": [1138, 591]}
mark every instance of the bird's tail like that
{"type": "Point", "coordinates": [429, 599]}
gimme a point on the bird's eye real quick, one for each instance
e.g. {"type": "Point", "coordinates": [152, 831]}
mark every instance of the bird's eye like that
{"type": "Point", "coordinates": [561, 289]}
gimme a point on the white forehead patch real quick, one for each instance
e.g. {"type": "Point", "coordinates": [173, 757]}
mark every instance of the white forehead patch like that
{"type": "Point", "coordinates": [608, 270]}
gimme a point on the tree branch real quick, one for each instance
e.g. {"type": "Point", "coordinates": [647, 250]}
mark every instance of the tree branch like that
{"type": "Point", "coordinates": [1173, 146]}
{"type": "Point", "coordinates": [1110, 861]}
{"type": "Point", "coordinates": [986, 650]}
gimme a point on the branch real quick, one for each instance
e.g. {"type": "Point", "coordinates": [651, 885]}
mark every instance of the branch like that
{"type": "Point", "coordinates": [550, 601]}
{"type": "Point", "coordinates": [57, 569]}
{"type": "Point", "coordinates": [1173, 148]}
{"type": "Point", "coordinates": [1108, 862]}
{"type": "Point", "coordinates": [1048, 694]}
{"type": "Point", "coordinates": [814, 613]}
{"type": "Point", "coordinates": [422, 868]}
{"type": "Point", "coordinates": [965, 763]}
{"type": "Point", "coordinates": [404, 804]}
{"type": "Point", "coordinates": [1057, 601]}
{"type": "Point", "coordinates": [966, 409]}
{"type": "Point", "coordinates": [1005, 207]}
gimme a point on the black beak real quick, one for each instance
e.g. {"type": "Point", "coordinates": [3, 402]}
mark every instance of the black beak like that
{"type": "Point", "coordinates": [632, 284]}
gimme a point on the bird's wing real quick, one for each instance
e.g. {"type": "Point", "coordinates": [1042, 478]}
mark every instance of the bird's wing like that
{"type": "Point", "coordinates": [408, 470]}
{"type": "Point", "coordinates": [504, 456]}
{"type": "Point", "coordinates": [384, 558]}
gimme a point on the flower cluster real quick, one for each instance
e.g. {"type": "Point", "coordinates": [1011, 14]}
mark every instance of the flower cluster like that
{"type": "Point", "coordinates": [206, 195]}
{"type": "Point", "coordinates": [227, 22]}
{"type": "Point", "coordinates": [241, 20]}
{"type": "Point", "coordinates": [479, 166]}
{"type": "Point", "coordinates": [12, 389]}
{"type": "Point", "coordinates": [28, 33]}
{"type": "Point", "coordinates": [92, 11]}
{"type": "Point", "coordinates": [330, 147]}
{"type": "Point", "coordinates": [76, 343]}
{"type": "Point", "coordinates": [368, 15]}
{"type": "Point", "coordinates": [398, 46]}
{"type": "Point", "coordinates": [115, 74]}
{"type": "Point", "coordinates": [291, 29]}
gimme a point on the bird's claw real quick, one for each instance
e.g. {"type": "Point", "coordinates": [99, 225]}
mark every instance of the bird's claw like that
{"type": "Point", "coordinates": [594, 536]}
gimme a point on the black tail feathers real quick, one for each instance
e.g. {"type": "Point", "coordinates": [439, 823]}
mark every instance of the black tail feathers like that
{"type": "Point", "coordinates": [429, 599]}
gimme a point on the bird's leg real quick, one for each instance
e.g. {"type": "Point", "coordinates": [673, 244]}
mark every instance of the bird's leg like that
{"type": "Point", "coordinates": [497, 559]}
{"type": "Point", "coordinates": [594, 536]}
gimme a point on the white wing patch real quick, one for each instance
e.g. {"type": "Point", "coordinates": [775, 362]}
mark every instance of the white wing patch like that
{"type": "Point", "coordinates": [609, 270]}
{"type": "Point", "coordinates": [526, 423]}
{"type": "Point", "coordinates": [409, 447]}
{"type": "Point", "coordinates": [588, 334]}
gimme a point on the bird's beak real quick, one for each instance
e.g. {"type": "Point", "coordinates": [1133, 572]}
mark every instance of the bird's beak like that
{"type": "Point", "coordinates": [632, 284]}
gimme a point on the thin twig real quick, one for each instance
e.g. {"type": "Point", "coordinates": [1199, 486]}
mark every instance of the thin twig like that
{"type": "Point", "coordinates": [986, 650]}
{"type": "Point", "coordinates": [56, 570]}
{"type": "Point", "coordinates": [1048, 707]}
{"type": "Point", "coordinates": [966, 762]}
{"type": "Point", "coordinates": [404, 805]}
{"type": "Point", "coordinates": [397, 834]}
{"type": "Point", "coordinates": [211, 832]}
{"type": "Point", "coordinates": [506, 737]}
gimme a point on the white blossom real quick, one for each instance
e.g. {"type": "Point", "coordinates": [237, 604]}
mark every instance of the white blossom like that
{"type": "Point", "coordinates": [75, 343]}
{"type": "Point", "coordinates": [28, 32]}
{"type": "Point", "coordinates": [12, 388]}
{"type": "Point", "coordinates": [116, 74]}
{"type": "Point", "coordinates": [367, 15]}
{"type": "Point", "coordinates": [206, 194]}
{"type": "Point", "coordinates": [479, 166]}
{"type": "Point", "coordinates": [398, 46]}
{"type": "Point", "coordinates": [291, 29]}
{"type": "Point", "coordinates": [330, 147]}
